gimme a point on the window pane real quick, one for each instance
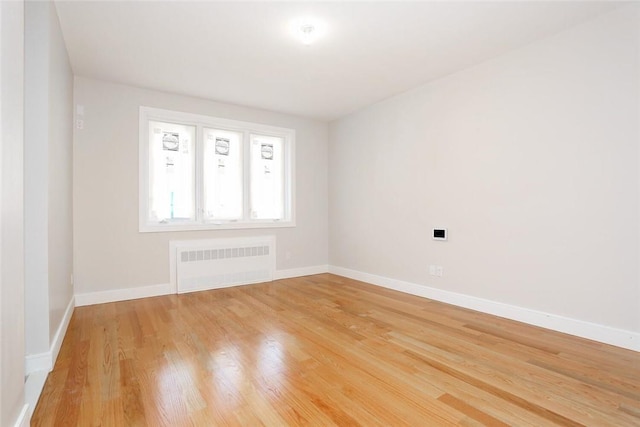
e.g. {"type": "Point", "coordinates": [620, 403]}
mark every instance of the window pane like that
{"type": "Point", "coordinates": [267, 177]}
{"type": "Point", "coordinates": [171, 172]}
{"type": "Point", "coordinates": [222, 174]}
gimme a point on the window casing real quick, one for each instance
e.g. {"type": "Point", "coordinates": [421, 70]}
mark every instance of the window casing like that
{"type": "Point", "coordinates": [202, 173]}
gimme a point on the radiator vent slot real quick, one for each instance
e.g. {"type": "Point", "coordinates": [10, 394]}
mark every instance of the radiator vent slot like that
{"type": "Point", "coordinates": [213, 254]}
{"type": "Point", "coordinates": [219, 263]}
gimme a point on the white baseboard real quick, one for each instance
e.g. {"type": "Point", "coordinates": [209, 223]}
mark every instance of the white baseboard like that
{"type": "Point", "coordinates": [302, 271]}
{"type": "Point", "coordinates": [593, 331]}
{"type": "Point", "coordinates": [38, 362]}
{"type": "Point", "coordinates": [45, 361]}
{"type": "Point", "coordinates": [23, 419]}
{"type": "Point", "coordinates": [91, 298]}
{"type": "Point", "coordinates": [33, 388]}
{"type": "Point", "coordinates": [61, 331]}
{"type": "Point", "coordinates": [102, 297]}
{"type": "Point", "coordinates": [38, 366]}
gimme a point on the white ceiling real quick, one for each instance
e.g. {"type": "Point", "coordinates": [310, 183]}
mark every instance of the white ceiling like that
{"type": "Point", "coordinates": [244, 53]}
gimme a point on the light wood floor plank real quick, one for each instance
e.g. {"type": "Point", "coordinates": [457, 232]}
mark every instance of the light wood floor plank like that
{"type": "Point", "coordinates": [326, 350]}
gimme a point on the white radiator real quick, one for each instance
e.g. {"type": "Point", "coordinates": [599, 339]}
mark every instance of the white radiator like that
{"type": "Point", "coordinates": [199, 265]}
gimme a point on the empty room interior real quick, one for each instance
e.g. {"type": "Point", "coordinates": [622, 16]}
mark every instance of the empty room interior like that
{"type": "Point", "coordinates": [320, 213]}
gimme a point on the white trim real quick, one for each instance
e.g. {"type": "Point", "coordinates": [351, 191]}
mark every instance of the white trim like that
{"type": "Point", "coordinates": [212, 226]}
{"type": "Point", "coordinates": [173, 272]}
{"type": "Point", "coordinates": [593, 331]}
{"type": "Point", "coordinates": [33, 388]}
{"type": "Point", "coordinates": [24, 418]}
{"type": "Point", "coordinates": [38, 366]}
{"type": "Point", "coordinates": [301, 271]}
{"type": "Point", "coordinates": [62, 330]}
{"type": "Point", "coordinates": [102, 297]}
{"type": "Point", "coordinates": [91, 298]}
{"type": "Point", "coordinates": [45, 361]}
{"type": "Point", "coordinates": [38, 362]}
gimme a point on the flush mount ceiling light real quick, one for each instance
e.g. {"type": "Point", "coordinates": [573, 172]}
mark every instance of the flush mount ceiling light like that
{"type": "Point", "coordinates": [307, 34]}
{"type": "Point", "coordinates": [307, 30]}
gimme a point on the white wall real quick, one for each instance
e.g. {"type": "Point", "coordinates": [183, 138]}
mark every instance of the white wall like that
{"type": "Point", "coordinates": [48, 172]}
{"type": "Point", "coordinates": [109, 252]}
{"type": "Point", "coordinates": [60, 188]}
{"type": "Point", "coordinates": [11, 213]}
{"type": "Point", "coordinates": [530, 159]}
{"type": "Point", "coordinates": [36, 149]}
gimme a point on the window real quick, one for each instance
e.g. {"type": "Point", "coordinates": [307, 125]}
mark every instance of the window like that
{"type": "Point", "coordinates": [199, 172]}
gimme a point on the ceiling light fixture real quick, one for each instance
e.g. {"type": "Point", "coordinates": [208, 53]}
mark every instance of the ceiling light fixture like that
{"type": "Point", "coordinates": [307, 30]}
{"type": "Point", "coordinates": [307, 34]}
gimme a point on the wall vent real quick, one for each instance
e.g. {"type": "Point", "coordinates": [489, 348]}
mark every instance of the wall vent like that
{"type": "Point", "coordinates": [199, 265]}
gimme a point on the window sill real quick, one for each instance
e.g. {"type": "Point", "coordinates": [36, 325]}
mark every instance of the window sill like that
{"type": "Point", "coordinates": [159, 228]}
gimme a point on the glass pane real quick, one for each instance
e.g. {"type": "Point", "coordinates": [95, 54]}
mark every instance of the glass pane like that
{"type": "Point", "coordinates": [267, 177]}
{"type": "Point", "coordinates": [171, 172]}
{"type": "Point", "coordinates": [222, 174]}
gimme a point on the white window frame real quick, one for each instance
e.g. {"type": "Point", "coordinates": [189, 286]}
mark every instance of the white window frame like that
{"type": "Point", "coordinates": [200, 122]}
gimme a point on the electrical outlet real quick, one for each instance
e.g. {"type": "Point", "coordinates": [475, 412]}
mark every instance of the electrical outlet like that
{"type": "Point", "coordinates": [79, 124]}
{"type": "Point", "coordinates": [436, 270]}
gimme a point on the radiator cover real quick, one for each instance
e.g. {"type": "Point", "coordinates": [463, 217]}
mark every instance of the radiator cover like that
{"type": "Point", "coordinates": [219, 263]}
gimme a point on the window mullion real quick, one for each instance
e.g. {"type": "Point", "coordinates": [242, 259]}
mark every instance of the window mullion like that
{"type": "Point", "coordinates": [286, 182]}
{"type": "Point", "coordinates": [199, 166]}
{"type": "Point", "coordinates": [246, 141]}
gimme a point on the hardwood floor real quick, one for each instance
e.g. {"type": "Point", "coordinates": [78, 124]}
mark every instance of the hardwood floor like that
{"type": "Point", "coordinates": [324, 350]}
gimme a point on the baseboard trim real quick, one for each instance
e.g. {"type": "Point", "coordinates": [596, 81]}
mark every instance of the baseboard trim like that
{"type": "Point", "coordinates": [593, 331]}
{"type": "Point", "coordinates": [45, 361]}
{"type": "Point", "coordinates": [299, 272]}
{"type": "Point", "coordinates": [33, 388]}
{"type": "Point", "coordinates": [38, 362]}
{"type": "Point", "coordinates": [23, 419]}
{"type": "Point", "coordinates": [38, 366]}
{"type": "Point", "coordinates": [102, 297]}
{"type": "Point", "coordinates": [62, 330]}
